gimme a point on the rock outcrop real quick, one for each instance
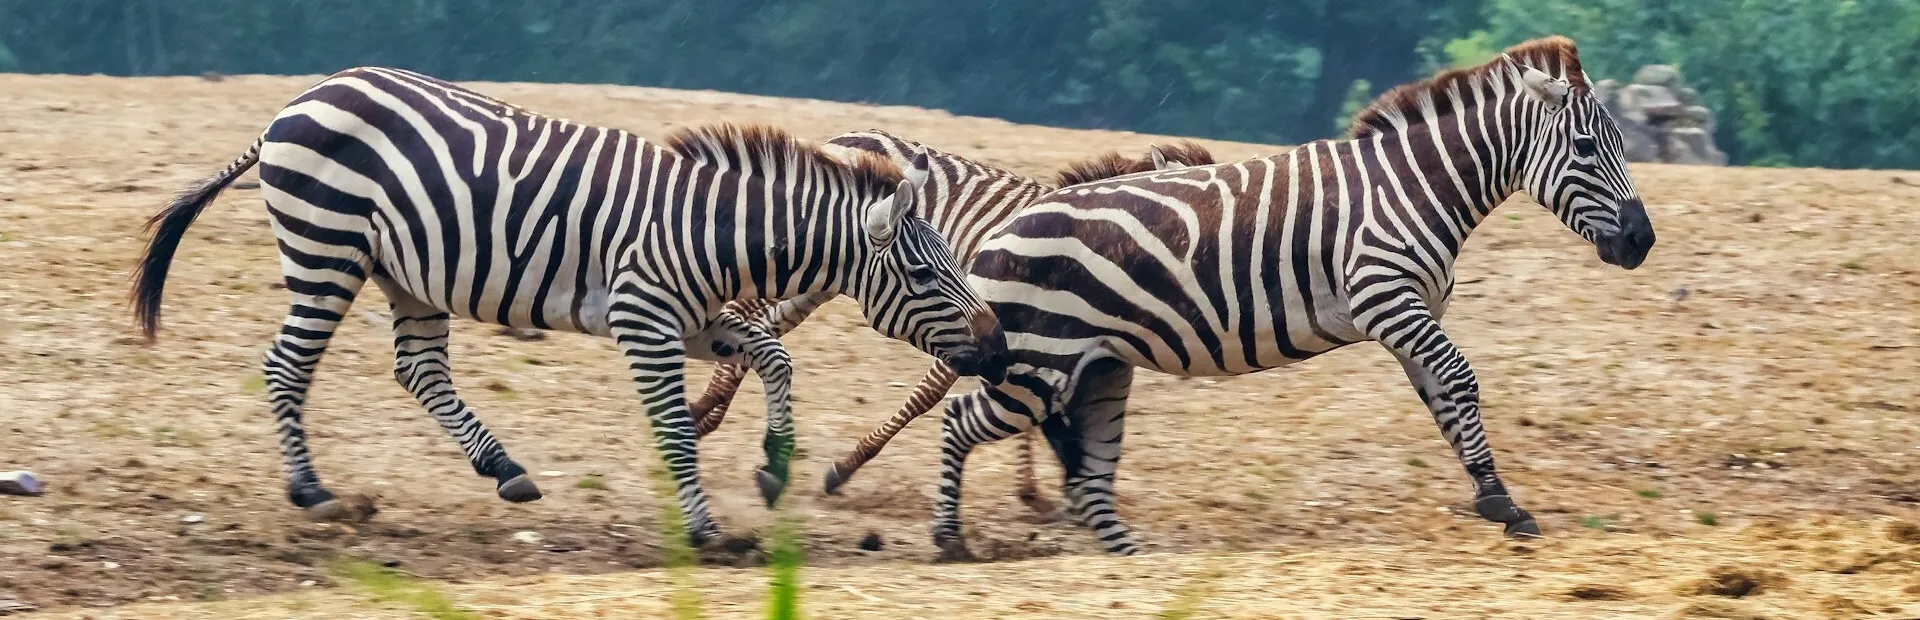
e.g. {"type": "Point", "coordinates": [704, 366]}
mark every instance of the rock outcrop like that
{"type": "Point", "coordinates": [1661, 119]}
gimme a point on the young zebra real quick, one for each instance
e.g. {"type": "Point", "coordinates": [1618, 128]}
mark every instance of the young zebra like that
{"type": "Point", "coordinates": [1236, 268]}
{"type": "Point", "coordinates": [458, 204]}
{"type": "Point", "coordinates": [965, 200]}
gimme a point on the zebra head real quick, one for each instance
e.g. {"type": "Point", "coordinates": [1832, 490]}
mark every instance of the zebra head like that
{"type": "Point", "coordinates": [1577, 168]}
{"type": "Point", "coordinates": [914, 290]}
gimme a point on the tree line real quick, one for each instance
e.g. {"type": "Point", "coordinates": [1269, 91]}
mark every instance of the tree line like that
{"type": "Point", "coordinates": [1828, 83]}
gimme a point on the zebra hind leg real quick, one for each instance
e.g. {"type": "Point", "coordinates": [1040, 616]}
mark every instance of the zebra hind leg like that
{"type": "Point", "coordinates": [1087, 440]}
{"type": "Point", "coordinates": [1029, 488]}
{"type": "Point", "coordinates": [420, 364]}
{"type": "Point", "coordinates": [711, 408]}
{"type": "Point", "coordinates": [321, 296]}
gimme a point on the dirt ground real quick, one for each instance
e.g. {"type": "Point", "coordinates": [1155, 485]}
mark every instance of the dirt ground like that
{"type": "Point", "coordinates": [1666, 423]}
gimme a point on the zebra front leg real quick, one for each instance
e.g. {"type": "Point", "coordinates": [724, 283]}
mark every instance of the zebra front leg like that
{"type": "Point", "coordinates": [421, 365]}
{"type": "Point", "coordinates": [775, 367]}
{"type": "Point", "coordinates": [1446, 383]}
{"type": "Point", "coordinates": [321, 297]}
{"type": "Point", "coordinates": [928, 393]}
{"type": "Point", "coordinates": [656, 359]}
{"type": "Point", "coordinates": [732, 340]}
{"type": "Point", "coordinates": [990, 413]}
{"type": "Point", "coordinates": [778, 318]}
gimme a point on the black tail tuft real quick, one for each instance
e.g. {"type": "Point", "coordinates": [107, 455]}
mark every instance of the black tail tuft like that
{"type": "Point", "coordinates": [168, 227]}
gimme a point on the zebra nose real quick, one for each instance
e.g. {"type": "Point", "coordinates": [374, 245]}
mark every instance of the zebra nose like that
{"type": "Point", "coordinates": [1636, 237]}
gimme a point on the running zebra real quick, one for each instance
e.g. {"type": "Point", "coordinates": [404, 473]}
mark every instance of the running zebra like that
{"type": "Point", "coordinates": [1236, 268]}
{"type": "Point", "coordinates": [458, 204]}
{"type": "Point", "coordinates": [965, 200]}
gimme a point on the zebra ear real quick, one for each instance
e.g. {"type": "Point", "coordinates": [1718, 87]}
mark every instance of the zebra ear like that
{"type": "Point", "coordinates": [1160, 161]}
{"type": "Point", "coordinates": [884, 217]}
{"type": "Point", "coordinates": [917, 171]}
{"type": "Point", "coordinates": [1547, 89]}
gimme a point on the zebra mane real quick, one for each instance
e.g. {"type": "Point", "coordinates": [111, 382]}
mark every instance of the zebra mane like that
{"type": "Point", "coordinates": [1554, 55]}
{"type": "Point", "coordinates": [883, 144]}
{"type": "Point", "coordinates": [769, 151]}
{"type": "Point", "coordinates": [1112, 164]}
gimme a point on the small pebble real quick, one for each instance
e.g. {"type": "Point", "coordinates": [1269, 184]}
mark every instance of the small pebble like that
{"type": "Point", "coordinates": [552, 473]}
{"type": "Point", "coordinates": [19, 483]}
{"type": "Point", "coordinates": [897, 384]}
{"type": "Point", "coordinates": [871, 542]}
{"type": "Point", "coordinates": [193, 518]}
{"type": "Point", "coordinates": [307, 584]}
{"type": "Point", "coordinates": [528, 537]}
{"type": "Point", "coordinates": [109, 565]}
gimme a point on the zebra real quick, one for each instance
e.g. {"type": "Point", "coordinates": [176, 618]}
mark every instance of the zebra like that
{"type": "Point", "coordinates": [455, 203]}
{"type": "Point", "coordinates": [965, 200]}
{"type": "Point", "coordinates": [1239, 267]}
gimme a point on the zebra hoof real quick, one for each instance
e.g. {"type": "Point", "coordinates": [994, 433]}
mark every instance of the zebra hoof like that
{"type": "Point", "coordinates": [834, 479]}
{"type": "Point", "coordinates": [771, 486]}
{"type": "Point", "coordinates": [953, 551]}
{"type": "Point", "coordinates": [519, 489]}
{"type": "Point", "coordinates": [350, 508]}
{"type": "Point", "coordinates": [1042, 508]}
{"type": "Point", "coordinates": [1527, 529]}
{"type": "Point", "coordinates": [730, 543]}
{"type": "Point", "coordinates": [1500, 509]}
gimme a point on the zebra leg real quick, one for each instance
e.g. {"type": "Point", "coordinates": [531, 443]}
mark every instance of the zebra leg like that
{"type": "Point", "coordinates": [928, 393]}
{"type": "Point", "coordinates": [1446, 383]}
{"type": "Point", "coordinates": [321, 298]}
{"type": "Point", "coordinates": [990, 413]}
{"type": "Point", "coordinates": [732, 340]}
{"type": "Point", "coordinates": [775, 367]}
{"type": "Point", "coordinates": [769, 360]}
{"type": "Point", "coordinates": [1029, 489]}
{"type": "Point", "coordinates": [711, 408]}
{"type": "Point", "coordinates": [1088, 444]}
{"type": "Point", "coordinates": [656, 358]}
{"type": "Point", "coordinates": [421, 365]}
{"type": "Point", "coordinates": [779, 318]}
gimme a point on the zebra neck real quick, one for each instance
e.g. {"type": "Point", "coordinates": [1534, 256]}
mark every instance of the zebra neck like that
{"type": "Point", "coordinates": [981, 205]}
{"type": "Point", "coordinates": [1433, 180]}
{"type": "Point", "coordinates": [1461, 165]}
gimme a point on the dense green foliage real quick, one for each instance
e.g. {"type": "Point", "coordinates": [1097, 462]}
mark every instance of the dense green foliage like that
{"type": "Point", "coordinates": [1824, 82]}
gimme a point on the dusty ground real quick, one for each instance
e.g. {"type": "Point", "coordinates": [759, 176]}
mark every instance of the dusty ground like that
{"type": "Point", "coordinates": [1759, 370]}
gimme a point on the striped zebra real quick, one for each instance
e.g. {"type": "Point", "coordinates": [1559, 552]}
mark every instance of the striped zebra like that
{"type": "Point", "coordinates": [1235, 268]}
{"type": "Point", "coordinates": [965, 200]}
{"type": "Point", "coordinates": [455, 203]}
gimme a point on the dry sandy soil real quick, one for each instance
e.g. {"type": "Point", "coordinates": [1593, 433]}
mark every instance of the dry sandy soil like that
{"type": "Point", "coordinates": [1758, 373]}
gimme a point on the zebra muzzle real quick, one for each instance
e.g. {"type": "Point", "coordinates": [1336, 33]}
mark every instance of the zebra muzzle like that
{"type": "Point", "coordinates": [988, 359]}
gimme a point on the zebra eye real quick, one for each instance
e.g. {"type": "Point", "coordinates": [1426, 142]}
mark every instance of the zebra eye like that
{"type": "Point", "coordinates": [1584, 147]}
{"type": "Point", "coordinates": [921, 274]}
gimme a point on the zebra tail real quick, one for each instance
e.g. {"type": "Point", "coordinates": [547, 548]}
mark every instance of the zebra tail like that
{"type": "Point", "coordinates": [168, 227]}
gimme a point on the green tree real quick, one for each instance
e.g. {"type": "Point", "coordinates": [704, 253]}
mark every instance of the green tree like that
{"type": "Point", "coordinates": [1808, 83]}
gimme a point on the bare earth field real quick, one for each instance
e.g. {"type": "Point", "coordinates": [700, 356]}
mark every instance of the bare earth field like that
{"type": "Point", "coordinates": [1729, 431]}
